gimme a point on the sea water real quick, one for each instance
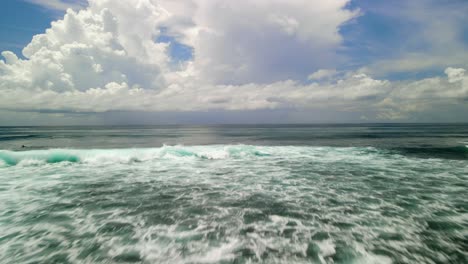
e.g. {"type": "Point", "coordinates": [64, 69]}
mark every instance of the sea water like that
{"type": "Point", "coordinates": [234, 194]}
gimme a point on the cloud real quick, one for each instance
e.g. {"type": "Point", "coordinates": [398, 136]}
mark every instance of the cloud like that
{"type": "Point", "coordinates": [87, 50]}
{"type": "Point", "coordinates": [193, 97]}
{"type": "Point", "coordinates": [456, 75]}
{"type": "Point", "coordinates": [322, 74]}
{"type": "Point", "coordinates": [408, 97]}
{"type": "Point", "coordinates": [115, 42]}
{"type": "Point", "coordinates": [430, 35]}
{"type": "Point", "coordinates": [267, 41]}
{"type": "Point", "coordinates": [252, 55]}
{"type": "Point", "coordinates": [60, 4]}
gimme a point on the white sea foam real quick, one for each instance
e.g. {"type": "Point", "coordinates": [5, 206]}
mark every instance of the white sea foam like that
{"type": "Point", "coordinates": [231, 203]}
{"type": "Point", "coordinates": [327, 248]}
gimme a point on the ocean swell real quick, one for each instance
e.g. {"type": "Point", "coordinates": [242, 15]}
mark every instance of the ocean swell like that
{"type": "Point", "coordinates": [449, 152]}
{"type": "Point", "coordinates": [231, 204]}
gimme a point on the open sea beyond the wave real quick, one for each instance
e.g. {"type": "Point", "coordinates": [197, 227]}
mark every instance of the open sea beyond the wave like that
{"type": "Point", "coordinates": [367, 193]}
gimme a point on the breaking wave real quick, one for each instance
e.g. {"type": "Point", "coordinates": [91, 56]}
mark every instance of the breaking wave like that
{"type": "Point", "coordinates": [12, 158]}
{"type": "Point", "coordinates": [220, 152]}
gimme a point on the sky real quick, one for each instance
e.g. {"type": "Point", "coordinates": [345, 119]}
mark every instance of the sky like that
{"type": "Point", "coordinates": [105, 62]}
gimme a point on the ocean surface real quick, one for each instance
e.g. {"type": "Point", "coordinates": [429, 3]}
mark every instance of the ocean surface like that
{"type": "Point", "coordinates": [387, 193]}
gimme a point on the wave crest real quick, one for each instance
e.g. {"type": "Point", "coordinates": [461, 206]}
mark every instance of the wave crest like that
{"type": "Point", "coordinates": [12, 158]}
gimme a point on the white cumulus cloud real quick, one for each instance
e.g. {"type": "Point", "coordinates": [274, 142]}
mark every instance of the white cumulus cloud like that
{"type": "Point", "coordinates": [247, 55]}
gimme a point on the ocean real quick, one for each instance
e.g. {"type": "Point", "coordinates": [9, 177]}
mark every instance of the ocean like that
{"type": "Point", "coordinates": [382, 193]}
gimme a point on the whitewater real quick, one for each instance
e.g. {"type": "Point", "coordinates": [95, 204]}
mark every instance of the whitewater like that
{"type": "Point", "coordinates": [234, 203]}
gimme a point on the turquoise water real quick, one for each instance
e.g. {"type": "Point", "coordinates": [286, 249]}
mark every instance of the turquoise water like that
{"type": "Point", "coordinates": [234, 194]}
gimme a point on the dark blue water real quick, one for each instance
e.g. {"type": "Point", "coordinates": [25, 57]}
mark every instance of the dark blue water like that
{"type": "Point", "coordinates": [447, 140]}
